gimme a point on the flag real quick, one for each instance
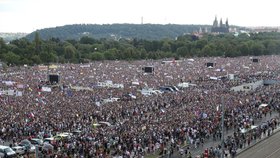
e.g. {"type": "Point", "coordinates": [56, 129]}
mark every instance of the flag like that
{"type": "Point", "coordinates": [69, 93]}
{"type": "Point", "coordinates": [20, 86]}
{"type": "Point", "coordinates": [97, 103]}
{"type": "Point", "coordinates": [95, 124]}
{"type": "Point", "coordinates": [18, 93]}
{"type": "Point", "coordinates": [46, 89]}
{"type": "Point", "coordinates": [218, 107]}
{"type": "Point", "coordinates": [204, 115]}
{"type": "Point", "coordinates": [31, 115]}
{"type": "Point", "coordinates": [196, 113]}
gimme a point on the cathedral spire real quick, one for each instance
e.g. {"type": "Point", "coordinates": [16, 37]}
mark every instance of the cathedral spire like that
{"type": "Point", "coordinates": [215, 23]}
{"type": "Point", "coordinates": [227, 23]}
{"type": "Point", "coordinates": [221, 23]}
{"type": "Point", "coordinates": [220, 27]}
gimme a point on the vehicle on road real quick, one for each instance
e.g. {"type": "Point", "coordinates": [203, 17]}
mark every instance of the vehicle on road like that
{"type": "Point", "coordinates": [28, 146]}
{"type": "Point", "coordinates": [6, 151]}
{"type": "Point", "coordinates": [20, 150]}
{"type": "Point", "coordinates": [36, 141]}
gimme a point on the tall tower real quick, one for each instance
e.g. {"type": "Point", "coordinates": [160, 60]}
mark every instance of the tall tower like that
{"type": "Point", "coordinates": [215, 23]}
{"type": "Point", "coordinates": [200, 30]}
{"type": "Point", "coordinates": [221, 23]}
{"type": "Point", "coordinates": [206, 30]}
{"type": "Point", "coordinates": [227, 23]}
{"type": "Point", "coordinates": [219, 27]}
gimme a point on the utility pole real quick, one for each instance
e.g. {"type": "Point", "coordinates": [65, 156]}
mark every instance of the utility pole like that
{"type": "Point", "coordinates": [223, 114]}
{"type": "Point", "coordinates": [36, 151]}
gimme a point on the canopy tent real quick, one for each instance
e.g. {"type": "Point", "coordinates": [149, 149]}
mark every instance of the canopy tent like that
{"type": "Point", "coordinates": [263, 106]}
{"type": "Point", "coordinates": [244, 130]}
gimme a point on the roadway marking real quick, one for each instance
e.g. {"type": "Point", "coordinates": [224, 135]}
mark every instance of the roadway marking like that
{"type": "Point", "coordinates": [272, 153]}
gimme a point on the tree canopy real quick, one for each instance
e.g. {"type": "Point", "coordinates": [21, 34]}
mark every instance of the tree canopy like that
{"type": "Point", "coordinates": [40, 51]}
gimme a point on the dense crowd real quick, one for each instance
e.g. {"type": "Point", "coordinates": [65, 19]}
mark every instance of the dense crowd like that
{"type": "Point", "coordinates": [140, 126]}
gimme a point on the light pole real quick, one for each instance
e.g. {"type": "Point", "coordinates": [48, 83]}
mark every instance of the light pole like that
{"type": "Point", "coordinates": [223, 113]}
{"type": "Point", "coordinates": [36, 151]}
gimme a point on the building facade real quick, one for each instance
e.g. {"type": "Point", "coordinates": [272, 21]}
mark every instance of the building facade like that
{"type": "Point", "coordinates": [220, 27]}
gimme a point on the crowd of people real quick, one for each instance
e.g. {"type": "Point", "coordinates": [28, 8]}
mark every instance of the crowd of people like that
{"type": "Point", "coordinates": [138, 126]}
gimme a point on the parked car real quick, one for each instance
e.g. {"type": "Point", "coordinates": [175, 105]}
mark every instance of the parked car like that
{"type": "Point", "coordinates": [6, 151]}
{"type": "Point", "coordinates": [50, 140]}
{"type": "Point", "coordinates": [63, 136]}
{"type": "Point", "coordinates": [28, 146]}
{"type": "Point", "coordinates": [36, 141]}
{"type": "Point", "coordinates": [174, 88]}
{"type": "Point", "coordinates": [20, 150]}
{"type": "Point", "coordinates": [166, 89]}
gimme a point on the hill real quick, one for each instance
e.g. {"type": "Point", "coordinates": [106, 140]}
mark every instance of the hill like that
{"type": "Point", "coordinates": [117, 31]}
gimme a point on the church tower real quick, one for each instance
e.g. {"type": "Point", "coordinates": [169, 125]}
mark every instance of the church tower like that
{"type": "Point", "coordinates": [227, 26]}
{"type": "Point", "coordinates": [219, 27]}
{"type": "Point", "coordinates": [215, 23]}
{"type": "Point", "coordinates": [221, 23]}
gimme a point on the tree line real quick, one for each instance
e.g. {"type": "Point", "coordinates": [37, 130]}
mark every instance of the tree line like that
{"type": "Point", "coordinates": [86, 49]}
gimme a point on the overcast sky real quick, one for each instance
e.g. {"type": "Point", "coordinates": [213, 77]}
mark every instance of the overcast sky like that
{"type": "Point", "coordinates": [30, 15]}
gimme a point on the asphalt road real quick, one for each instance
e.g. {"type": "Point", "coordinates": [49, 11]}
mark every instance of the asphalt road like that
{"type": "Point", "coordinates": [212, 143]}
{"type": "Point", "coordinates": [268, 148]}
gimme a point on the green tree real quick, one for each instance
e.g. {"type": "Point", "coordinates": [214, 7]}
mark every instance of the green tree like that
{"type": "Point", "coordinates": [37, 42]}
{"type": "Point", "coordinates": [12, 58]}
{"type": "Point", "coordinates": [166, 46]}
{"type": "Point", "coordinates": [26, 61]}
{"type": "Point", "coordinates": [3, 46]}
{"type": "Point", "coordinates": [97, 56]}
{"type": "Point", "coordinates": [48, 57]}
{"type": "Point", "coordinates": [87, 40]}
{"type": "Point", "coordinates": [201, 43]}
{"type": "Point", "coordinates": [109, 55]}
{"type": "Point", "coordinates": [272, 46]}
{"type": "Point", "coordinates": [207, 51]}
{"type": "Point", "coordinates": [183, 51]}
{"type": "Point", "coordinates": [69, 52]}
{"type": "Point", "coordinates": [36, 59]}
{"type": "Point", "coordinates": [257, 48]}
{"type": "Point", "coordinates": [244, 49]}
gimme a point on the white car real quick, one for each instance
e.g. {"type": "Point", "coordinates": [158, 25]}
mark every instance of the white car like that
{"type": "Point", "coordinates": [32, 149]}
{"type": "Point", "coordinates": [36, 141]}
{"type": "Point", "coordinates": [6, 151]}
{"type": "Point", "coordinates": [19, 150]}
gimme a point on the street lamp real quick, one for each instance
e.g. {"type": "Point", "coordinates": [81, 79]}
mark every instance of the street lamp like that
{"type": "Point", "coordinates": [223, 113]}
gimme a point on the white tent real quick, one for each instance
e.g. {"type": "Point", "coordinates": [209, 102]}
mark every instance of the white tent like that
{"type": "Point", "coordinates": [231, 76]}
{"type": "Point", "coordinates": [263, 106]}
{"type": "Point", "coordinates": [183, 85]}
{"type": "Point", "coordinates": [105, 123]}
{"type": "Point", "coordinates": [46, 89]}
{"type": "Point", "coordinates": [244, 130]}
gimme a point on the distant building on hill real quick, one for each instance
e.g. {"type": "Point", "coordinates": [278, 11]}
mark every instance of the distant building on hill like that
{"type": "Point", "coordinates": [220, 27]}
{"type": "Point", "coordinates": [265, 29]}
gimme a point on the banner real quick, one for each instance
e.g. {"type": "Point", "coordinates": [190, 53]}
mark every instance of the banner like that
{"type": "Point", "coordinates": [46, 89]}
{"type": "Point", "coordinates": [19, 93]}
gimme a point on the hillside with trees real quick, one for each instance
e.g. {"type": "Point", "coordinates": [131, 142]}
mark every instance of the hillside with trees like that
{"type": "Point", "coordinates": [86, 49]}
{"type": "Point", "coordinates": [117, 31]}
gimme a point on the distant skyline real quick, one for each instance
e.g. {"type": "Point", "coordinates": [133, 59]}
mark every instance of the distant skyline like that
{"type": "Point", "coordinates": [30, 15]}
